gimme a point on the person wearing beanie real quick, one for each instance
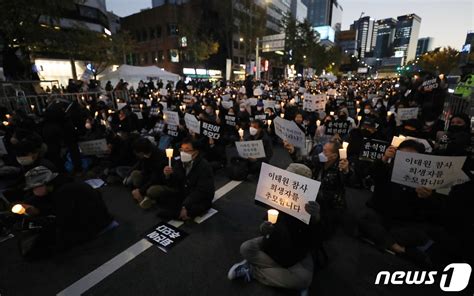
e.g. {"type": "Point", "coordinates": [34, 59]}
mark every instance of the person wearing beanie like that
{"type": "Point", "coordinates": [282, 256]}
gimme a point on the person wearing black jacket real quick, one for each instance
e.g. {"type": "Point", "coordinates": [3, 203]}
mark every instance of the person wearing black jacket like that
{"type": "Point", "coordinates": [147, 172]}
{"type": "Point", "coordinates": [282, 256]}
{"type": "Point", "coordinates": [191, 181]}
{"type": "Point", "coordinates": [257, 132]}
{"type": "Point", "coordinates": [79, 211]}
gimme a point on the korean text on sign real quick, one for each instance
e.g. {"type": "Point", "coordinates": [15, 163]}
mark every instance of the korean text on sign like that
{"type": "Point", "coordinates": [430, 171]}
{"type": "Point", "coordinates": [285, 191]}
{"type": "Point", "coordinates": [250, 149]}
{"type": "Point", "coordinates": [95, 147]}
{"type": "Point", "coordinates": [290, 132]}
{"type": "Point", "coordinates": [165, 236]}
{"type": "Point", "coordinates": [210, 130]}
{"type": "Point", "coordinates": [373, 149]}
{"type": "Point", "coordinates": [338, 127]}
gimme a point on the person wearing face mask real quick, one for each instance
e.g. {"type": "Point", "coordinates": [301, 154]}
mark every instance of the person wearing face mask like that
{"type": "Point", "coordinates": [78, 211]}
{"type": "Point", "coordinates": [431, 126]}
{"type": "Point", "coordinates": [259, 108]}
{"type": "Point", "coordinates": [191, 180]}
{"type": "Point", "coordinates": [257, 132]}
{"type": "Point", "coordinates": [457, 139]}
{"type": "Point", "coordinates": [146, 173]}
{"type": "Point", "coordinates": [243, 117]}
{"type": "Point", "coordinates": [398, 215]}
{"type": "Point", "coordinates": [30, 150]}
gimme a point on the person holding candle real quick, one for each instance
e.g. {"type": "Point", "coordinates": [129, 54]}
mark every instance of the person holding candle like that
{"type": "Point", "coordinates": [257, 132]}
{"type": "Point", "coordinates": [146, 173]}
{"type": "Point", "coordinates": [282, 256]}
{"type": "Point", "coordinates": [79, 211]}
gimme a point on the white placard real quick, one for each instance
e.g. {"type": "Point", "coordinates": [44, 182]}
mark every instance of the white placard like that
{"type": "Point", "coordinates": [121, 105]}
{"type": "Point", "coordinates": [163, 92]}
{"type": "Point", "coordinates": [261, 117]}
{"type": "Point", "coordinates": [285, 191]}
{"type": "Point", "coordinates": [430, 171]}
{"type": "Point", "coordinates": [290, 132]}
{"type": "Point", "coordinates": [253, 101]}
{"type": "Point", "coordinates": [3, 149]}
{"type": "Point", "coordinates": [314, 102]}
{"type": "Point", "coordinates": [302, 90]}
{"type": "Point", "coordinates": [171, 117]}
{"type": "Point", "coordinates": [407, 113]}
{"type": "Point", "coordinates": [227, 104]}
{"type": "Point", "coordinates": [95, 147]}
{"type": "Point", "coordinates": [192, 123]}
{"type": "Point", "coordinates": [250, 149]}
{"type": "Point", "coordinates": [269, 104]}
{"type": "Point", "coordinates": [257, 92]}
{"type": "Point", "coordinates": [139, 115]}
{"type": "Point", "coordinates": [331, 92]}
{"type": "Point", "coordinates": [225, 97]}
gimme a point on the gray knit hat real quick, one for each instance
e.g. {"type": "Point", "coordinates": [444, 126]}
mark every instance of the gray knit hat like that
{"type": "Point", "coordinates": [300, 169]}
{"type": "Point", "coordinates": [38, 176]}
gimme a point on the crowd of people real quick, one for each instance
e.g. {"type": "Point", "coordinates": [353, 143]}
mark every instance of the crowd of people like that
{"type": "Point", "coordinates": [427, 227]}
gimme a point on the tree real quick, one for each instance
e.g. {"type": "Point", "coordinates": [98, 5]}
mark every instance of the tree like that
{"type": "Point", "coordinates": [440, 61]}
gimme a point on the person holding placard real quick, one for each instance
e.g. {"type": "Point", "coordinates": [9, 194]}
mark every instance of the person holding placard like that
{"type": "Point", "coordinates": [398, 221]}
{"type": "Point", "coordinates": [282, 256]}
{"type": "Point", "coordinates": [257, 132]}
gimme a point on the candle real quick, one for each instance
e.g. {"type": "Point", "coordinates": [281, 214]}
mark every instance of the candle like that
{"type": "Point", "coordinates": [396, 141]}
{"type": "Point", "coordinates": [331, 113]}
{"type": "Point", "coordinates": [169, 154]}
{"type": "Point", "coordinates": [359, 118]}
{"type": "Point", "coordinates": [32, 106]}
{"type": "Point", "coordinates": [282, 115]}
{"type": "Point", "coordinates": [345, 145]}
{"type": "Point", "coordinates": [342, 153]}
{"type": "Point", "coordinates": [110, 111]}
{"type": "Point", "coordinates": [8, 116]}
{"type": "Point", "coordinates": [6, 123]}
{"type": "Point", "coordinates": [241, 134]}
{"type": "Point", "coordinates": [141, 106]}
{"type": "Point", "coordinates": [269, 122]}
{"type": "Point", "coordinates": [203, 107]}
{"type": "Point", "coordinates": [389, 113]}
{"type": "Point", "coordinates": [18, 209]}
{"type": "Point", "coordinates": [272, 216]}
{"type": "Point", "coordinates": [358, 110]}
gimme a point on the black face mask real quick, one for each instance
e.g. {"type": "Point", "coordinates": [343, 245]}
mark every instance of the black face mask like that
{"type": "Point", "coordinates": [456, 129]}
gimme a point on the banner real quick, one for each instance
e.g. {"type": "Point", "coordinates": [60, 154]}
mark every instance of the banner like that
{"type": "Point", "coordinates": [290, 132]}
{"type": "Point", "coordinates": [171, 117]}
{"type": "Point", "coordinates": [430, 171]}
{"type": "Point", "coordinates": [338, 127]}
{"type": "Point", "coordinates": [250, 149]}
{"type": "Point", "coordinates": [407, 113]}
{"type": "Point", "coordinates": [373, 149]}
{"type": "Point", "coordinates": [95, 147]}
{"type": "Point", "coordinates": [230, 120]}
{"type": "Point", "coordinates": [285, 191]}
{"type": "Point", "coordinates": [165, 236]}
{"type": "Point", "coordinates": [210, 130]}
{"type": "Point", "coordinates": [314, 102]}
{"type": "Point", "coordinates": [192, 123]}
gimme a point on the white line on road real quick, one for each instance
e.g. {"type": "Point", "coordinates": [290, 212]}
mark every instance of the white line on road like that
{"type": "Point", "coordinates": [103, 271]}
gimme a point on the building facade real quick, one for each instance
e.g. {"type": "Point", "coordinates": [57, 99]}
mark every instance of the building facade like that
{"type": "Point", "coordinates": [299, 10]}
{"type": "Point", "coordinates": [406, 37]}
{"type": "Point", "coordinates": [365, 35]}
{"type": "Point", "coordinates": [385, 37]}
{"type": "Point", "coordinates": [424, 45]}
{"type": "Point", "coordinates": [346, 40]}
{"type": "Point", "coordinates": [324, 13]}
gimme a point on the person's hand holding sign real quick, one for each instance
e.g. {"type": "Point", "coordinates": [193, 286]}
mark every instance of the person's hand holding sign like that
{"type": "Point", "coordinates": [423, 192]}
{"type": "Point", "coordinates": [314, 209]}
{"type": "Point", "coordinates": [137, 195]}
{"type": "Point", "coordinates": [344, 166]}
{"type": "Point", "coordinates": [289, 147]}
{"type": "Point", "coordinates": [389, 153]}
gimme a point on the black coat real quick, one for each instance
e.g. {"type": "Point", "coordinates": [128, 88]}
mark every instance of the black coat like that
{"type": "Point", "coordinates": [152, 170]}
{"type": "Point", "coordinates": [196, 188]}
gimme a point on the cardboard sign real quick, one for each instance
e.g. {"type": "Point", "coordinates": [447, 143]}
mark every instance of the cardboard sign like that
{"type": "Point", "coordinates": [290, 132]}
{"type": "Point", "coordinates": [407, 113]}
{"type": "Point", "coordinates": [95, 147]}
{"type": "Point", "coordinates": [172, 130]}
{"type": "Point", "coordinates": [250, 149]}
{"type": "Point", "coordinates": [3, 149]}
{"type": "Point", "coordinates": [257, 92]}
{"type": "Point", "coordinates": [210, 130]}
{"type": "Point", "coordinates": [171, 117]}
{"type": "Point", "coordinates": [159, 127]}
{"type": "Point", "coordinates": [338, 127]}
{"type": "Point", "coordinates": [226, 97]}
{"type": "Point", "coordinates": [430, 171]}
{"type": "Point", "coordinates": [261, 117]}
{"type": "Point", "coordinates": [253, 101]}
{"type": "Point", "coordinates": [285, 191]}
{"type": "Point", "coordinates": [314, 102]}
{"type": "Point", "coordinates": [227, 105]}
{"type": "Point", "coordinates": [165, 236]}
{"type": "Point", "coordinates": [121, 105]}
{"type": "Point", "coordinates": [373, 149]}
{"type": "Point", "coordinates": [192, 123]}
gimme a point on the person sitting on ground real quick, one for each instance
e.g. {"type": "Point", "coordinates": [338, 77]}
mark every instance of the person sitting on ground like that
{"type": "Point", "coordinates": [282, 256]}
{"type": "Point", "coordinates": [189, 189]}
{"type": "Point", "coordinates": [257, 132]}
{"type": "Point", "coordinates": [80, 213]}
{"type": "Point", "coordinates": [148, 171]}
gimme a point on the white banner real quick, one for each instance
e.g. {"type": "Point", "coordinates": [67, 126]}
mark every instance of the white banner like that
{"type": "Point", "coordinates": [192, 123]}
{"type": "Point", "coordinates": [285, 191]}
{"type": "Point", "coordinates": [171, 117]}
{"type": "Point", "coordinates": [407, 113]}
{"type": "Point", "coordinates": [290, 132]}
{"type": "Point", "coordinates": [95, 147]}
{"type": "Point", "coordinates": [314, 102]}
{"type": "Point", "coordinates": [250, 149]}
{"type": "Point", "coordinates": [430, 171]}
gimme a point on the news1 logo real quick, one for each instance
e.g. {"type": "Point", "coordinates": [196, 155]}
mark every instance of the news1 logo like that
{"type": "Point", "coordinates": [454, 278]}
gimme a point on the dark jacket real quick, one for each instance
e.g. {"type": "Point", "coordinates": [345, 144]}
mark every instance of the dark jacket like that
{"type": "Point", "coordinates": [196, 188]}
{"type": "Point", "coordinates": [152, 170]}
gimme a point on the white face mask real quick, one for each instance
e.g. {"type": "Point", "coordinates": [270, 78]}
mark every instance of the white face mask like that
{"type": "Point", "coordinates": [253, 131]}
{"type": "Point", "coordinates": [367, 111]}
{"type": "Point", "coordinates": [25, 160]}
{"type": "Point", "coordinates": [429, 123]}
{"type": "Point", "coordinates": [322, 157]}
{"type": "Point", "coordinates": [186, 157]}
{"type": "Point", "coordinates": [88, 125]}
{"type": "Point", "coordinates": [259, 108]}
{"type": "Point", "coordinates": [242, 109]}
